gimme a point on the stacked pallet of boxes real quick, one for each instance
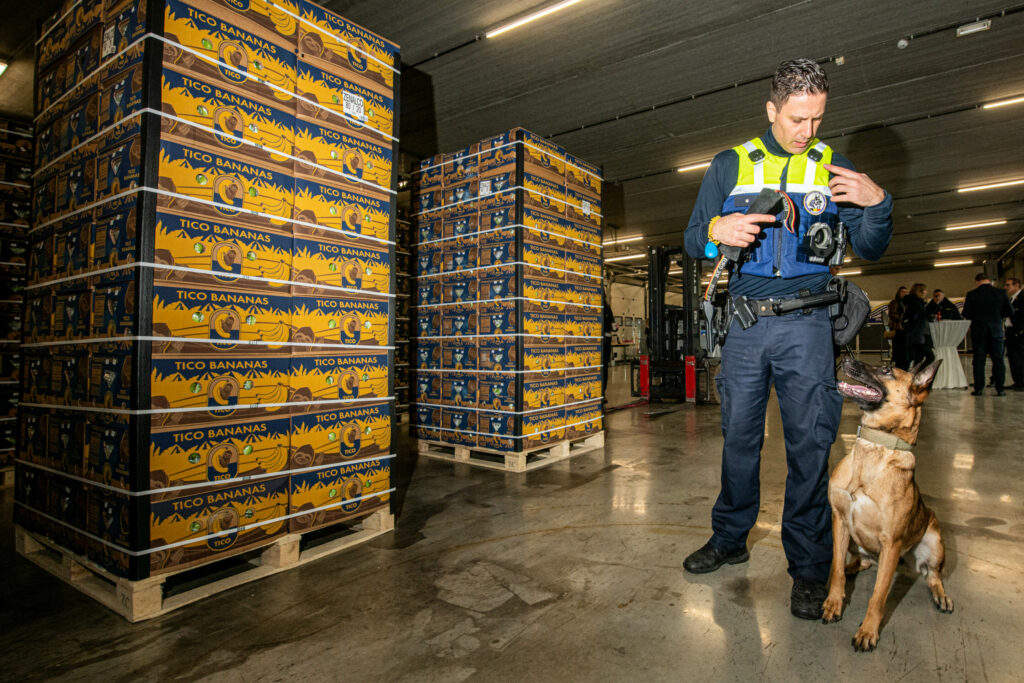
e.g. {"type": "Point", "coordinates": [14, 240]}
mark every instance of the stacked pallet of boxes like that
{"type": "Point", "coordinates": [210, 308]}
{"type": "Point", "coordinates": [508, 296]}
{"type": "Point", "coordinates": [15, 203]}
{"type": "Point", "coordinates": [403, 319]}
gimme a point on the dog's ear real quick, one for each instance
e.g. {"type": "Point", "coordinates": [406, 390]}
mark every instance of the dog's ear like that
{"type": "Point", "coordinates": [923, 378]}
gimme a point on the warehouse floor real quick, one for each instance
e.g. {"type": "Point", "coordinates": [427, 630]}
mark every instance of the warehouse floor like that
{"type": "Point", "coordinates": [574, 573]}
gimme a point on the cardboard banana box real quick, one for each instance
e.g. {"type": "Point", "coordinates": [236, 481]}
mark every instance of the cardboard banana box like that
{"type": "Point", "coordinates": [544, 260]}
{"type": "Point", "coordinates": [72, 245]}
{"type": "Point", "coordinates": [231, 188]}
{"type": "Point", "coordinates": [222, 522]}
{"type": "Point", "coordinates": [345, 375]}
{"type": "Point", "coordinates": [110, 376]}
{"type": "Point", "coordinates": [345, 99]}
{"type": "Point", "coordinates": [427, 178]}
{"type": "Point", "coordinates": [498, 282]}
{"type": "Point", "coordinates": [459, 426]}
{"type": "Point", "coordinates": [457, 289]}
{"type": "Point", "coordinates": [497, 318]}
{"type": "Point", "coordinates": [83, 57]}
{"type": "Point", "coordinates": [459, 354]}
{"type": "Point", "coordinates": [333, 494]}
{"type": "Point", "coordinates": [108, 440]}
{"type": "Point", "coordinates": [543, 296]}
{"type": "Point", "coordinates": [340, 209]}
{"type": "Point", "coordinates": [76, 177]}
{"type": "Point", "coordinates": [217, 454]}
{"type": "Point", "coordinates": [542, 193]}
{"type": "Point", "coordinates": [496, 200]}
{"type": "Point", "coordinates": [343, 38]}
{"type": "Point", "coordinates": [428, 292]}
{"type": "Point", "coordinates": [497, 391]}
{"type": "Point", "coordinates": [223, 315]}
{"type": "Point", "coordinates": [33, 427]}
{"type": "Point", "coordinates": [583, 268]}
{"type": "Point", "coordinates": [497, 247]}
{"type": "Point", "coordinates": [114, 233]}
{"type": "Point", "coordinates": [464, 223]}
{"type": "Point", "coordinates": [584, 294]}
{"type": "Point", "coordinates": [583, 355]}
{"type": "Point", "coordinates": [219, 118]}
{"type": "Point", "coordinates": [543, 428]}
{"type": "Point", "coordinates": [363, 266]}
{"type": "Point", "coordinates": [542, 157]}
{"type": "Point", "coordinates": [119, 159]}
{"type": "Point", "coordinates": [429, 200]}
{"type": "Point", "coordinates": [275, 21]}
{"type": "Point", "coordinates": [582, 421]}
{"type": "Point", "coordinates": [426, 422]}
{"type": "Point", "coordinates": [218, 251]}
{"type": "Point", "coordinates": [428, 354]}
{"type": "Point", "coordinates": [459, 389]}
{"type": "Point", "coordinates": [340, 435]}
{"type": "Point", "coordinates": [497, 354]}
{"type": "Point", "coordinates": [543, 393]}
{"type": "Point", "coordinates": [429, 321]}
{"type": "Point", "coordinates": [497, 431]}
{"type": "Point", "coordinates": [581, 206]}
{"type": "Point", "coordinates": [461, 165]}
{"type": "Point", "coordinates": [193, 390]}
{"type": "Point", "coordinates": [544, 359]}
{"type": "Point", "coordinates": [72, 311]}
{"type": "Point", "coordinates": [582, 176]}
{"type": "Point", "coordinates": [544, 229]}
{"type": "Point", "coordinates": [428, 230]}
{"type": "Point", "coordinates": [459, 320]}
{"type": "Point", "coordinates": [460, 254]}
{"type": "Point", "coordinates": [582, 386]}
{"type": "Point", "coordinates": [65, 441]}
{"type": "Point", "coordinates": [548, 327]}
{"type": "Point", "coordinates": [427, 387]}
{"type": "Point", "coordinates": [121, 86]}
{"type": "Point", "coordinates": [331, 317]}
{"type": "Point", "coordinates": [582, 237]}
{"type": "Point", "coordinates": [429, 258]}
{"type": "Point", "coordinates": [582, 322]}
{"type": "Point", "coordinates": [337, 152]}
{"type": "Point", "coordinates": [123, 25]}
{"type": "Point", "coordinates": [215, 50]}
{"type": "Point", "coordinates": [498, 150]}
{"type": "Point", "coordinates": [460, 197]}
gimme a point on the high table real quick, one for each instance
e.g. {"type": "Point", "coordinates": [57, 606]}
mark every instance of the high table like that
{"type": "Point", "coordinates": [946, 337]}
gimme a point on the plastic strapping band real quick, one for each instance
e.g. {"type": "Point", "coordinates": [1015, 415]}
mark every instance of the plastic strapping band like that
{"type": "Point", "coordinates": [214, 409]}
{"type": "Point", "coordinates": [509, 412]}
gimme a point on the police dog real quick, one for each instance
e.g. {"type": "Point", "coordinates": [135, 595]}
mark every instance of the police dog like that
{"type": "Point", "coordinates": [877, 512]}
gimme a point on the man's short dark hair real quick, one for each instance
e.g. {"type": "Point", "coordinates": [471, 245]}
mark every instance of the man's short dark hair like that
{"type": "Point", "coordinates": [938, 291]}
{"type": "Point", "coordinates": [980, 276]}
{"type": "Point", "coordinates": [797, 76]}
{"type": "Point", "coordinates": [1015, 281]}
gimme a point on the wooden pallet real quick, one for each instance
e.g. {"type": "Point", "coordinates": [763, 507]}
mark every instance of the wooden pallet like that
{"type": "Point", "coordinates": [145, 599]}
{"type": "Point", "coordinates": [6, 477]}
{"type": "Point", "coordinates": [532, 459]}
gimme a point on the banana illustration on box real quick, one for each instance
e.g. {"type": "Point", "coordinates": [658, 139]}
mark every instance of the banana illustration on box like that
{"type": "Point", "coordinates": [353, 266]}
{"type": "Point", "coordinates": [333, 493]}
{"type": "Point", "coordinates": [341, 153]}
{"type": "Point", "coordinates": [352, 103]}
{"type": "Point", "coordinates": [339, 377]}
{"type": "Point", "coordinates": [343, 434]}
{"type": "Point", "coordinates": [223, 316]}
{"type": "Point", "coordinates": [338, 39]}
{"type": "Point", "coordinates": [358, 213]}
{"type": "Point", "coordinates": [215, 386]}
{"type": "Point", "coordinates": [329, 318]}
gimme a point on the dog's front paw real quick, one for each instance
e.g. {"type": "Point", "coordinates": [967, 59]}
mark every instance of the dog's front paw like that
{"type": "Point", "coordinates": [831, 610]}
{"type": "Point", "coordinates": [943, 603]}
{"type": "Point", "coordinates": [865, 639]}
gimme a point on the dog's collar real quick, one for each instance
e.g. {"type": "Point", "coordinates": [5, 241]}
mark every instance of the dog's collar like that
{"type": "Point", "coordinates": [882, 438]}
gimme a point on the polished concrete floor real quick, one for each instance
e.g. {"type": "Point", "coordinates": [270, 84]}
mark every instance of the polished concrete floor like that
{"type": "Point", "coordinates": [574, 573]}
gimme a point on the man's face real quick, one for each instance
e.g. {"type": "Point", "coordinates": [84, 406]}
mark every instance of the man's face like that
{"type": "Point", "coordinates": [1012, 287]}
{"type": "Point", "coordinates": [796, 123]}
{"type": "Point", "coordinates": [938, 297]}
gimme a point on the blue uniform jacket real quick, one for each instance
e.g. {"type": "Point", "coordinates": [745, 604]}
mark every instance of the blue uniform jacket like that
{"type": "Point", "coordinates": [870, 228]}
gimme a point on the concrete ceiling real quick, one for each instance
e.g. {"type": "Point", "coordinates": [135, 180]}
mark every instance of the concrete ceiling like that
{"type": "Point", "coordinates": [645, 86]}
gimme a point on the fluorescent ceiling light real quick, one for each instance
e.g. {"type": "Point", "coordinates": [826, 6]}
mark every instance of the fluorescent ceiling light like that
{"type": "Point", "coordinates": [975, 225]}
{"type": "Point", "coordinates": [942, 264]}
{"type": "Point", "coordinates": [847, 273]}
{"type": "Point", "coordinates": [3, 66]}
{"type": "Point", "coordinates": [624, 258]}
{"type": "Point", "coordinates": [694, 167]}
{"type": "Point", "coordinates": [991, 186]}
{"type": "Point", "coordinates": [531, 17]}
{"type": "Point", "coordinates": [677, 271]}
{"type": "Point", "coordinates": [1003, 103]}
{"type": "Point", "coordinates": [973, 27]}
{"type": "Point", "coordinates": [847, 259]}
{"type": "Point", "coordinates": [966, 247]}
{"type": "Point", "coordinates": [623, 240]}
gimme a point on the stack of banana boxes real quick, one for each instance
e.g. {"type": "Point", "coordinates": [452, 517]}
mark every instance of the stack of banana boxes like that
{"type": "Point", "coordinates": [210, 312]}
{"type": "Point", "coordinates": [15, 212]}
{"type": "Point", "coordinates": [507, 300]}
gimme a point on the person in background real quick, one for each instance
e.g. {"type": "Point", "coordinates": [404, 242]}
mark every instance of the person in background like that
{"type": "Point", "coordinates": [1015, 334]}
{"type": "Point", "coordinates": [941, 308]}
{"type": "Point", "coordinates": [899, 335]}
{"type": "Point", "coordinates": [606, 349]}
{"type": "Point", "coordinates": [986, 307]}
{"type": "Point", "coordinates": [915, 324]}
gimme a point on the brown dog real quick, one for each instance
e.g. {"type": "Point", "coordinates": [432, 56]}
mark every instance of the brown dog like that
{"type": "Point", "coordinates": [877, 512]}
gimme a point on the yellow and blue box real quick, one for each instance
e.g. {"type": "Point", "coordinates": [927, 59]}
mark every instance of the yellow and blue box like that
{"type": "Point", "coordinates": [581, 206]}
{"type": "Point", "coordinates": [497, 318]}
{"type": "Point", "coordinates": [497, 354]}
{"type": "Point", "coordinates": [543, 392]}
{"type": "Point", "coordinates": [363, 213]}
{"type": "Point", "coordinates": [114, 233]}
{"type": "Point", "coordinates": [429, 259]}
{"type": "Point", "coordinates": [583, 176]}
{"type": "Point", "coordinates": [542, 193]}
{"type": "Point", "coordinates": [429, 291]}
{"type": "Point", "coordinates": [327, 316]}
{"type": "Point", "coordinates": [323, 149]}
{"type": "Point", "coordinates": [464, 223]}
{"type": "Point", "coordinates": [427, 353]}
{"type": "Point", "coordinates": [583, 356]}
{"type": "Point", "coordinates": [217, 51]}
{"type": "Point", "coordinates": [343, 375]}
{"type": "Point", "coordinates": [218, 453]}
{"type": "Point", "coordinates": [544, 260]}
{"type": "Point", "coordinates": [109, 459]}
{"type": "Point", "coordinates": [459, 354]}
{"type": "Point", "coordinates": [342, 42]}
{"type": "Point", "coordinates": [213, 251]}
{"type": "Point", "coordinates": [224, 316]}
{"type": "Point", "coordinates": [428, 230]}
{"type": "Point", "coordinates": [582, 237]}
{"type": "Point", "coordinates": [429, 321]}
{"type": "Point", "coordinates": [584, 420]}
{"type": "Point", "coordinates": [339, 435]}
{"type": "Point", "coordinates": [459, 389]}
{"type": "Point", "coordinates": [119, 159]}
{"type": "Point", "coordinates": [543, 428]}
{"type": "Point", "coordinates": [460, 254]}
{"type": "Point", "coordinates": [459, 288]}
{"type": "Point", "coordinates": [582, 386]}
{"type": "Point", "coordinates": [459, 320]}
{"type": "Point", "coordinates": [196, 528]}
{"type": "Point", "coordinates": [496, 431]}
{"type": "Point", "coordinates": [497, 391]}
{"type": "Point", "coordinates": [545, 229]}
{"type": "Point", "coordinates": [351, 100]}
{"type": "Point", "coordinates": [276, 21]}
{"type": "Point", "coordinates": [123, 25]}
{"type": "Point", "coordinates": [207, 114]}
{"type": "Point", "coordinates": [363, 266]}
{"type": "Point", "coordinates": [121, 83]}
{"type": "Point", "coordinates": [582, 267]}
{"type": "Point", "coordinates": [72, 244]}
{"type": "Point", "coordinates": [461, 165]}
{"type": "Point", "coordinates": [497, 247]}
{"type": "Point", "coordinates": [338, 492]}
{"type": "Point", "coordinates": [427, 387]}
{"type": "Point", "coordinates": [458, 426]}
{"type": "Point", "coordinates": [110, 376]}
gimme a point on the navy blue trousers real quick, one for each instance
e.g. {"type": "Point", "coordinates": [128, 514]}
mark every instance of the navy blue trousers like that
{"type": "Point", "coordinates": [794, 353]}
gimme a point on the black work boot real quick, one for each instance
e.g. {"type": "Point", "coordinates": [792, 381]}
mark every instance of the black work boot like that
{"type": "Point", "coordinates": [709, 558]}
{"type": "Point", "coordinates": [807, 597]}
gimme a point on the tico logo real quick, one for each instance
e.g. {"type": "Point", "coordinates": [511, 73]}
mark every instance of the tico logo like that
{"type": "Point", "coordinates": [233, 54]}
{"type": "Point", "coordinates": [224, 520]}
{"type": "Point", "coordinates": [357, 55]}
{"type": "Point", "coordinates": [222, 462]}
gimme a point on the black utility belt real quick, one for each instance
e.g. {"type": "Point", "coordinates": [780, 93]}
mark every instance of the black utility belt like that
{"type": "Point", "coordinates": [778, 307]}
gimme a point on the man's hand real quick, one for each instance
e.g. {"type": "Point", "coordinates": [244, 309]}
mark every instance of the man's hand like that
{"type": "Point", "coordinates": [739, 229]}
{"type": "Point", "coordinates": [853, 188]}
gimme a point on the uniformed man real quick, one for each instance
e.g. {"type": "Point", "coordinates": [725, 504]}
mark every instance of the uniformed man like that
{"type": "Point", "coordinates": [791, 351]}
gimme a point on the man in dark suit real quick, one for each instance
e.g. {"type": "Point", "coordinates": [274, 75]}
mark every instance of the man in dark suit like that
{"type": "Point", "coordinates": [1015, 334]}
{"type": "Point", "coordinates": [941, 308]}
{"type": "Point", "coordinates": [986, 306]}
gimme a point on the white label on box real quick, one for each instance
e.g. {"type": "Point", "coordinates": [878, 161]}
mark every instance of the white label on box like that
{"type": "Point", "coordinates": [485, 187]}
{"type": "Point", "coordinates": [109, 40]}
{"type": "Point", "coordinates": [585, 205]}
{"type": "Point", "coordinates": [354, 106]}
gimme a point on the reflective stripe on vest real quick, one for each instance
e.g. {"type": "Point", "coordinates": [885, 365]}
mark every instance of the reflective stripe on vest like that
{"type": "Point", "coordinates": [803, 177]}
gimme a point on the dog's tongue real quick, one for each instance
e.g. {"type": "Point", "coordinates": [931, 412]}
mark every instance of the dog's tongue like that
{"type": "Point", "coordinates": [858, 391]}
